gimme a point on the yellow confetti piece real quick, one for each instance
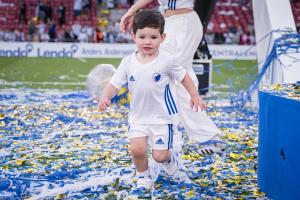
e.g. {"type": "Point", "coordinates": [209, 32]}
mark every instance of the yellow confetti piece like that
{"type": "Point", "coordinates": [2, 124]}
{"type": "Point", "coordinates": [60, 196]}
{"type": "Point", "coordinates": [234, 155]}
{"type": "Point", "coordinates": [5, 167]}
{"type": "Point", "coordinates": [123, 101]}
{"type": "Point", "coordinates": [191, 193]}
{"type": "Point", "coordinates": [20, 162]}
{"type": "Point", "coordinates": [233, 136]}
{"type": "Point", "coordinates": [250, 170]}
{"type": "Point", "coordinates": [215, 170]}
{"type": "Point", "coordinates": [203, 184]}
{"type": "Point", "coordinates": [258, 193]}
{"type": "Point", "coordinates": [249, 143]}
{"type": "Point", "coordinates": [215, 114]}
{"type": "Point", "coordinates": [93, 158]}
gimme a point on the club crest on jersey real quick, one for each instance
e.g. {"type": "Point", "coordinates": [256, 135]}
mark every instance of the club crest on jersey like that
{"type": "Point", "coordinates": [156, 77]}
{"type": "Point", "coordinates": [131, 78]}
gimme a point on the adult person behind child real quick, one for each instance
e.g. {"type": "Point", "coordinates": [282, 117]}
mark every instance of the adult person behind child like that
{"type": "Point", "coordinates": [184, 31]}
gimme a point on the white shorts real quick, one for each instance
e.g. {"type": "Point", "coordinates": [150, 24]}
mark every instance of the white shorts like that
{"type": "Point", "coordinates": [159, 135]}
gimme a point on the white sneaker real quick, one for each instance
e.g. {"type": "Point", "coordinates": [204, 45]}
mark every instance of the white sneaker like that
{"type": "Point", "coordinates": [142, 189]}
{"type": "Point", "coordinates": [171, 166]}
{"type": "Point", "coordinates": [154, 168]}
{"type": "Point", "coordinates": [210, 147]}
{"type": "Point", "coordinates": [144, 182]}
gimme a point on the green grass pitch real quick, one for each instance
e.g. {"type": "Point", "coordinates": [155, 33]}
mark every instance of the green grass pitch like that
{"type": "Point", "coordinates": [70, 73]}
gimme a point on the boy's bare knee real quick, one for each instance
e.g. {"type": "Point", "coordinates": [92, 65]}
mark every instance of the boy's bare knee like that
{"type": "Point", "coordinates": [137, 152]}
{"type": "Point", "coordinates": [160, 155]}
{"type": "Point", "coordinates": [138, 147]}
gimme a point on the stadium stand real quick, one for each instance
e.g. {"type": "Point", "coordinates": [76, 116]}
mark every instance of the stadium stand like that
{"type": "Point", "coordinates": [97, 21]}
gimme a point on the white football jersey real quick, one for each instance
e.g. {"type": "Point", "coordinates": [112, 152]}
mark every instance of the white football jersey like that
{"type": "Point", "coordinates": [175, 4]}
{"type": "Point", "coordinates": [152, 101]}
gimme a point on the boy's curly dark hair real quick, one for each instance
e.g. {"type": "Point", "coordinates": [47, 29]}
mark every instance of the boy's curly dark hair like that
{"type": "Point", "coordinates": [148, 18]}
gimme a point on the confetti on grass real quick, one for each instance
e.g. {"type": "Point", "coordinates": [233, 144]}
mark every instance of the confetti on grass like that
{"type": "Point", "coordinates": [55, 145]}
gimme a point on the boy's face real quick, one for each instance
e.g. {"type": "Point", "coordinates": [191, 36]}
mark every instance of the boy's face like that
{"type": "Point", "coordinates": [148, 40]}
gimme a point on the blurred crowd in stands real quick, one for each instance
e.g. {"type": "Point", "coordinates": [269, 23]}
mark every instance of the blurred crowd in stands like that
{"type": "Point", "coordinates": [98, 21]}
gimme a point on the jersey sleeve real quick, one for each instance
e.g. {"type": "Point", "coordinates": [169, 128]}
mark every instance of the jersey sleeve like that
{"type": "Point", "coordinates": [176, 70]}
{"type": "Point", "coordinates": [120, 76]}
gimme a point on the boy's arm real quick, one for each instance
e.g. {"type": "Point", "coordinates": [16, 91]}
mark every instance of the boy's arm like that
{"type": "Point", "coordinates": [108, 92]}
{"type": "Point", "coordinates": [196, 100]}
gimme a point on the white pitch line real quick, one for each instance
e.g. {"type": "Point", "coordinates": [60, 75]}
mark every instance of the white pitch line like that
{"type": "Point", "coordinates": [81, 59]}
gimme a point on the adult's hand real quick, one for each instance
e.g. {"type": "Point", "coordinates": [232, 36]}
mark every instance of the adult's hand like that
{"type": "Point", "coordinates": [126, 21]}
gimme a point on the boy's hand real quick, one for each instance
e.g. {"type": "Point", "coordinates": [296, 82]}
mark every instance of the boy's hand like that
{"type": "Point", "coordinates": [103, 104]}
{"type": "Point", "coordinates": [196, 102]}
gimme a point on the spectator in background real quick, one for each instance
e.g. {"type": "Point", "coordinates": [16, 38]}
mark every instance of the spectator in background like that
{"type": "Point", "coordinates": [52, 31]}
{"type": "Point", "coordinates": [209, 36]}
{"type": "Point", "coordinates": [243, 2]}
{"type": "Point", "coordinates": [61, 12]}
{"type": "Point", "coordinates": [61, 34]}
{"type": "Point", "coordinates": [82, 37]}
{"type": "Point", "coordinates": [1, 35]}
{"type": "Point", "coordinates": [31, 30]}
{"type": "Point", "coordinates": [76, 29]}
{"type": "Point", "coordinates": [86, 5]}
{"type": "Point", "coordinates": [99, 3]}
{"type": "Point", "coordinates": [219, 38]}
{"type": "Point", "coordinates": [210, 27]}
{"type": "Point", "coordinates": [77, 8]}
{"type": "Point", "coordinates": [130, 2]}
{"type": "Point", "coordinates": [22, 16]}
{"type": "Point", "coordinates": [88, 29]}
{"type": "Point", "coordinates": [45, 37]}
{"type": "Point", "coordinates": [11, 35]}
{"type": "Point", "coordinates": [251, 38]}
{"type": "Point", "coordinates": [40, 12]}
{"type": "Point", "coordinates": [41, 28]}
{"type": "Point", "coordinates": [121, 38]}
{"type": "Point", "coordinates": [122, 4]}
{"type": "Point", "coordinates": [99, 35]}
{"type": "Point", "coordinates": [229, 36]}
{"type": "Point", "coordinates": [110, 4]}
{"type": "Point", "coordinates": [244, 39]}
{"type": "Point", "coordinates": [5, 34]}
{"type": "Point", "coordinates": [238, 34]}
{"type": "Point", "coordinates": [36, 38]}
{"type": "Point", "coordinates": [110, 37]}
{"type": "Point", "coordinates": [19, 36]}
{"type": "Point", "coordinates": [49, 11]}
{"type": "Point", "coordinates": [69, 36]}
{"type": "Point", "coordinates": [223, 27]}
